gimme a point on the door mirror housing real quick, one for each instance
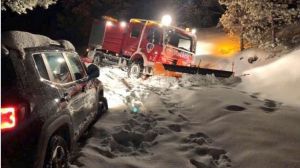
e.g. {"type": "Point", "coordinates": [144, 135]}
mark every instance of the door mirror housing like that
{"type": "Point", "coordinates": [93, 71]}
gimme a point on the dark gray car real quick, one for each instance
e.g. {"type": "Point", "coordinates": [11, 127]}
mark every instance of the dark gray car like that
{"type": "Point", "coordinates": [47, 101]}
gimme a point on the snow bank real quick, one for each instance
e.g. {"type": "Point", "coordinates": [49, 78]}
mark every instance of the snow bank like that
{"type": "Point", "coordinates": [253, 132]}
{"type": "Point", "coordinates": [19, 40]}
{"type": "Point", "coordinates": [279, 80]}
{"type": "Point", "coordinates": [249, 59]}
{"type": "Point", "coordinates": [192, 122]}
{"type": "Point", "coordinates": [187, 80]}
{"type": "Point", "coordinates": [212, 62]}
{"type": "Point", "coordinates": [238, 63]}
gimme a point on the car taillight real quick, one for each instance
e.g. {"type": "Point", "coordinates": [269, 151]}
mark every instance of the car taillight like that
{"type": "Point", "coordinates": [8, 118]}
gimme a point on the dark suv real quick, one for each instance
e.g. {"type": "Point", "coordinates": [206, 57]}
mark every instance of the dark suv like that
{"type": "Point", "coordinates": [48, 99]}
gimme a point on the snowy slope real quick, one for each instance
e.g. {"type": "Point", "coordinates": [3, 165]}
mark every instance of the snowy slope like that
{"type": "Point", "coordinates": [197, 121]}
{"type": "Point", "coordinates": [279, 80]}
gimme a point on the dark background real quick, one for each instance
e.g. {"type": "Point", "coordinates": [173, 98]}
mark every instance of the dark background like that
{"type": "Point", "coordinates": [71, 19]}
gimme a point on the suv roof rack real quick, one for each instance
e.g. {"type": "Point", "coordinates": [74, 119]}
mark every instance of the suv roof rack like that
{"type": "Point", "coordinates": [4, 50]}
{"type": "Point", "coordinates": [19, 41]}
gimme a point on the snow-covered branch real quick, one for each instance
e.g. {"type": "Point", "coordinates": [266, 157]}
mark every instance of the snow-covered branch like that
{"type": "Point", "coordinates": [21, 6]}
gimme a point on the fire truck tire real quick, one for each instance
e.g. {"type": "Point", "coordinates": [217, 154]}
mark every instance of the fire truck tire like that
{"type": "Point", "coordinates": [98, 59]}
{"type": "Point", "coordinates": [135, 70]}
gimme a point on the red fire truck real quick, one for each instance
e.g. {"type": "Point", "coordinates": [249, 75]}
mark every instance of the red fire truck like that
{"type": "Point", "coordinates": [140, 44]}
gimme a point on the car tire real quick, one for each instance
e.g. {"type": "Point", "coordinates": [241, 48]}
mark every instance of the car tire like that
{"type": "Point", "coordinates": [57, 155]}
{"type": "Point", "coordinates": [135, 70]}
{"type": "Point", "coordinates": [104, 108]}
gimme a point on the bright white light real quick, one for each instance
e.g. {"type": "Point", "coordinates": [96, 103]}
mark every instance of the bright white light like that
{"type": "Point", "coordinates": [60, 60]}
{"type": "Point", "coordinates": [204, 48]}
{"type": "Point", "coordinates": [194, 31]}
{"type": "Point", "coordinates": [166, 20]}
{"type": "Point", "coordinates": [123, 24]}
{"type": "Point", "coordinates": [109, 23]}
{"type": "Point", "coordinates": [56, 100]}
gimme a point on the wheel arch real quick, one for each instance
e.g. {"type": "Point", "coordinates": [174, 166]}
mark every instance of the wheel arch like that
{"type": "Point", "coordinates": [138, 56]}
{"type": "Point", "coordinates": [51, 127]}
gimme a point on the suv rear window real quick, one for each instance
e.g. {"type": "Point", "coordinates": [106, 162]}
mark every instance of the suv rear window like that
{"type": "Point", "coordinates": [59, 67]}
{"type": "Point", "coordinates": [8, 74]}
{"type": "Point", "coordinates": [41, 66]}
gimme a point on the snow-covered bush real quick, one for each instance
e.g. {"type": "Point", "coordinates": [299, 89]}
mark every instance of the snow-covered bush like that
{"type": "Point", "coordinates": [256, 19]}
{"type": "Point", "coordinates": [21, 6]}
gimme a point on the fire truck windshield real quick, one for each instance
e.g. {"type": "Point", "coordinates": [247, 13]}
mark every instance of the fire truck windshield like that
{"type": "Point", "coordinates": [179, 40]}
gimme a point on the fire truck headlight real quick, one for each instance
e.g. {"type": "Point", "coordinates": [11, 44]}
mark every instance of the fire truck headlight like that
{"type": "Point", "coordinates": [194, 31]}
{"type": "Point", "coordinates": [166, 20]}
{"type": "Point", "coordinates": [109, 23]}
{"type": "Point", "coordinates": [123, 24]}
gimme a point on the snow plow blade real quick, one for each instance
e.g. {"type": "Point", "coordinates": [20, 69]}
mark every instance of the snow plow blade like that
{"type": "Point", "coordinates": [196, 70]}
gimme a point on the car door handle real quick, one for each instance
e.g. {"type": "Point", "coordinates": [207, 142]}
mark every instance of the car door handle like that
{"type": "Point", "coordinates": [83, 89]}
{"type": "Point", "coordinates": [65, 98]}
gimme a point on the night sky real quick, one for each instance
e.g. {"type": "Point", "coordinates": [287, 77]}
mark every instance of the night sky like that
{"type": "Point", "coordinates": [38, 21]}
{"type": "Point", "coordinates": [61, 22]}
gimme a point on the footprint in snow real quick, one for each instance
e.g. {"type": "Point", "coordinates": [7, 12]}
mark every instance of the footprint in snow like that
{"type": "Point", "coordinates": [175, 127]}
{"type": "Point", "coordinates": [270, 106]}
{"type": "Point", "coordinates": [235, 108]}
{"type": "Point", "coordinates": [204, 154]}
{"type": "Point", "coordinates": [255, 95]}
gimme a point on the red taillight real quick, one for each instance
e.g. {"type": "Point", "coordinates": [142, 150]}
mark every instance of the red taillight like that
{"type": "Point", "coordinates": [8, 118]}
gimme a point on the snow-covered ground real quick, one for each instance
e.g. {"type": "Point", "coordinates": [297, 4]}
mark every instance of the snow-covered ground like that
{"type": "Point", "coordinates": [279, 80]}
{"type": "Point", "coordinates": [198, 121]}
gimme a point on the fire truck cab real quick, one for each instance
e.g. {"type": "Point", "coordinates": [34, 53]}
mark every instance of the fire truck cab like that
{"type": "Point", "coordinates": [141, 44]}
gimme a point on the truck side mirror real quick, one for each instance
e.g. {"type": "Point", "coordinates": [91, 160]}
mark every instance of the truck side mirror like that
{"type": "Point", "coordinates": [166, 41]}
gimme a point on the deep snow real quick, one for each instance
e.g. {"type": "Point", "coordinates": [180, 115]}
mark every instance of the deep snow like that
{"type": "Point", "coordinates": [279, 80]}
{"type": "Point", "coordinates": [198, 121]}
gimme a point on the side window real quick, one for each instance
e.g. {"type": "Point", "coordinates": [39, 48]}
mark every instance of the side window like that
{"type": "Point", "coordinates": [59, 68]}
{"type": "Point", "coordinates": [39, 62]}
{"type": "Point", "coordinates": [76, 66]}
{"type": "Point", "coordinates": [135, 31]}
{"type": "Point", "coordinates": [154, 36]}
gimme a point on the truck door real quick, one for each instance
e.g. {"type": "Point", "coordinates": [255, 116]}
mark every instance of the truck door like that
{"type": "Point", "coordinates": [132, 38]}
{"type": "Point", "coordinates": [153, 45]}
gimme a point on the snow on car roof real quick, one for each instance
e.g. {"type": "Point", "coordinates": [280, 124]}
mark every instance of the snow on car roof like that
{"type": "Point", "coordinates": [19, 40]}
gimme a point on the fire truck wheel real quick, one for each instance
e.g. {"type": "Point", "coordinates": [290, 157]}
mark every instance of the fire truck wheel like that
{"type": "Point", "coordinates": [136, 69]}
{"type": "Point", "coordinates": [98, 60]}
